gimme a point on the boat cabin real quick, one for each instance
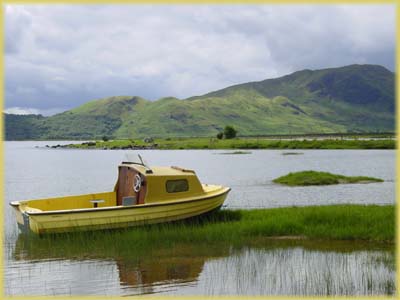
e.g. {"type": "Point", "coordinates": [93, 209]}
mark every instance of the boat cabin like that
{"type": "Point", "coordinates": [138, 184]}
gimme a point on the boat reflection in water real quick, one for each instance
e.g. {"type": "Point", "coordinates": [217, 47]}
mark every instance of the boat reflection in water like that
{"type": "Point", "coordinates": [146, 275]}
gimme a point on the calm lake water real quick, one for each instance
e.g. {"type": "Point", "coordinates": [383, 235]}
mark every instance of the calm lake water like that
{"type": "Point", "coordinates": [265, 268]}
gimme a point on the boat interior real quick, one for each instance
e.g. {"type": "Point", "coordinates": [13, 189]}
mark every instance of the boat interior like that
{"type": "Point", "coordinates": [70, 202]}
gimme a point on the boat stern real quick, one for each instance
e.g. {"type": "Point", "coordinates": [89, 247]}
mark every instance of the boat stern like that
{"type": "Point", "coordinates": [22, 217]}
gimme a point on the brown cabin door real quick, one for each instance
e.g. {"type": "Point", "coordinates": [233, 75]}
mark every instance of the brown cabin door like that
{"type": "Point", "coordinates": [126, 182]}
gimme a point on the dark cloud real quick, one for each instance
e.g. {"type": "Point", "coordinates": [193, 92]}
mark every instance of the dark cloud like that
{"type": "Point", "coordinates": [58, 57]}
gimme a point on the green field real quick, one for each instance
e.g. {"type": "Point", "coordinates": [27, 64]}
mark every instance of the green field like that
{"type": "Point", "coordinates": [321, 178]}
{"type": "Point", "coordinates": [240, 143]}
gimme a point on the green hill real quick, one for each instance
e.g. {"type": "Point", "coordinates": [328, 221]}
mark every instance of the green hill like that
{"type": "Point", "coordinates": [355, 98]}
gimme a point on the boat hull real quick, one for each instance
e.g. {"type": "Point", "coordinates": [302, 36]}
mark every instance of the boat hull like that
{"type": "Point", "coordinates": [117, 216]}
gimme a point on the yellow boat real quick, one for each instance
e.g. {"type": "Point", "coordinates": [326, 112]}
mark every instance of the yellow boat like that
{"type": "Point", "coordinates": [142, 195]}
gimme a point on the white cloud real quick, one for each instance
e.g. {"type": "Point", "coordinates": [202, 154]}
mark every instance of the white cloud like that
{"type": "Point", "coordinates": [64, 55]}
{"type": "Point", "coordinates": [32, 111]}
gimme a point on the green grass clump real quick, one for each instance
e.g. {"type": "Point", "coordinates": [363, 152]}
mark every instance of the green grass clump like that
{"type": "Point", "coordinates": [304, 178]}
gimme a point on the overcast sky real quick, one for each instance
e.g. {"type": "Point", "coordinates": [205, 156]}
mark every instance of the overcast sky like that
{"type": "Point", "coordinates": [60, 56]}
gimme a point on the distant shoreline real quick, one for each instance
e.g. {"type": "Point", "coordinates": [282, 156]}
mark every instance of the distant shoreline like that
{"type": "Point", "coordinates": [349, 135]}
{"type": "Point", "coordinates": [237, 143]}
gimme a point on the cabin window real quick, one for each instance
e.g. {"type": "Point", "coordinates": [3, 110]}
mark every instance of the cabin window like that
{"type": "Point", "coordinates": [175, 186]}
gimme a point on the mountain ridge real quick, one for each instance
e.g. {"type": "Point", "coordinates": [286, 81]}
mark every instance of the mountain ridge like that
{"type": "Point", "coordinates": [357, 98]}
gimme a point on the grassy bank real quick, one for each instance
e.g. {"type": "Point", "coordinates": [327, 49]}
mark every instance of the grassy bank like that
{"type": "Point", "coordinates": [321, 178]}
{"type": "Point", "coordinates": [239, 227]}
{"type": "Point", "coordinates": [239, 143]}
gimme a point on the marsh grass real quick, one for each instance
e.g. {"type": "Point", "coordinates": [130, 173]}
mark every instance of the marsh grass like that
{"type": "Point", "coordinates": [304, 178]}
{"type": "Point", "coordinates": [237, 228]}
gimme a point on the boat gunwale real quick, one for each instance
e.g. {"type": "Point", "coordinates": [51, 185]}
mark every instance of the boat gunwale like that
{"type": "Point", "coordinates": [102, 209]}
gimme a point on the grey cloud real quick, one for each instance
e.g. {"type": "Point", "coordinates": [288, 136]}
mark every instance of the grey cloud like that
{"type": "Point", "coordinates": [60, 56]}
{"type": "Point", "coordinates": [16, 23]}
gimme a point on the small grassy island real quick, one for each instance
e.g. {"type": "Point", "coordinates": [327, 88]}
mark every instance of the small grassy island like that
{"type": "Point", "coordinates": [235, 153]}
{"type": "Point", "coordinates": [321, 178]}
{"type": "Point", "coordinates": [292, 153]}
